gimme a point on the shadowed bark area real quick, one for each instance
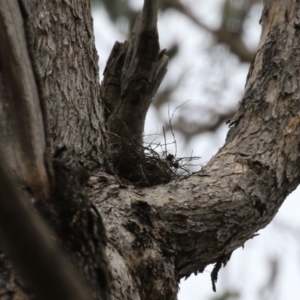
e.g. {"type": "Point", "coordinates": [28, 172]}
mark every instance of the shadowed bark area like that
{"type": "Point", "coordinates": [32, 264]}
{"type": "Point", "coordinates": [132, 75]}
{"type": "Point", "coordinates": [45, 270]}
{"type": "Point", "coordinates": [22, 137]}
{"type": "Point", "coordinates": [157, 235]}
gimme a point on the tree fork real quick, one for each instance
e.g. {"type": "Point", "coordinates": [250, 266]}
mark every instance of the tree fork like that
{"type": "Point", "coordinates": [199, 220]}
{"type": "Point", "coordinates": [157, 235]}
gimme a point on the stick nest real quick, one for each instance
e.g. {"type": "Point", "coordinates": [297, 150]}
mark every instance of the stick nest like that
{"type": "Point", "coordinates": [143, 166]}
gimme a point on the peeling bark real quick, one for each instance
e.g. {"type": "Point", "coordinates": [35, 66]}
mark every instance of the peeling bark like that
{"type": "Point", "coordinates": [157, 235]}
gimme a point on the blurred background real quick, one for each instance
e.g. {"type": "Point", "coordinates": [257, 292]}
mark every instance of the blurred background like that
{"type": "Point", "coordinates": [211, 45]}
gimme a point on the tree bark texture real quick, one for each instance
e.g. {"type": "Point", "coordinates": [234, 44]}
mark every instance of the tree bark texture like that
{"type": "Point", "coordinates": [31, 247]}
{"type": "Point", "coordinates": [158, 235]}
{"type": "Point", "coordinates": [61, 38]}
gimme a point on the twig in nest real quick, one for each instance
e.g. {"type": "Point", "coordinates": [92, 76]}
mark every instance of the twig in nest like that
{"type": "Point", "coordinates": [144, 166]}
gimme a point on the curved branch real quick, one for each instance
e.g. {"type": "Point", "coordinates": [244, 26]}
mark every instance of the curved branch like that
{"type": "Point", "coordinates": [187, 224]}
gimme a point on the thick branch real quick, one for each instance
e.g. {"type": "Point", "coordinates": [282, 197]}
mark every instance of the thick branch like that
{"type": "Point", "coordinates": [186, 225]}
{"type": "Point", "coordinates": [22, 130]}
{"type": "Point", "coordinates": [61, 37]}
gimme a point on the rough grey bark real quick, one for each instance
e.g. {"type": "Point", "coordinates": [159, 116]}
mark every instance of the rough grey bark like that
{"type": "Point", "coordinates": [160, 234]}
{"type": "Point", "coordinates": [61, 37]}
{"type": "Point", "coordinates": [56, 189]}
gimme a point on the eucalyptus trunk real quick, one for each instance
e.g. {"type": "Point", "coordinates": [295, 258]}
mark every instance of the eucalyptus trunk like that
{"type": "Point", "coordinates": [63, 150]}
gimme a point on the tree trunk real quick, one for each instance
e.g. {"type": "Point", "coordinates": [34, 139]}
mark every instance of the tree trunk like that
{"type": "Point", "coordinates": [159, 234]}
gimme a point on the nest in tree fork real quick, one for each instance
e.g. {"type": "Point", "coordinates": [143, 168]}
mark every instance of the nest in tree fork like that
{"type": "Point", "coordinates": [143, 166]}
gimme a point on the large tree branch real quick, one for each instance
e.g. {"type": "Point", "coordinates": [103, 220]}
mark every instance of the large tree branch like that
{"type": "Point", "coordinates": [65, 206]}
{"type": "Point", "coordinates": [22, 137]}
{"type": "Point", "coordinates": [24, 236]}
{"type": "Point", "coordinates": [190, 223]}
{"type": "Point", "coordinates": [62, 39]}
